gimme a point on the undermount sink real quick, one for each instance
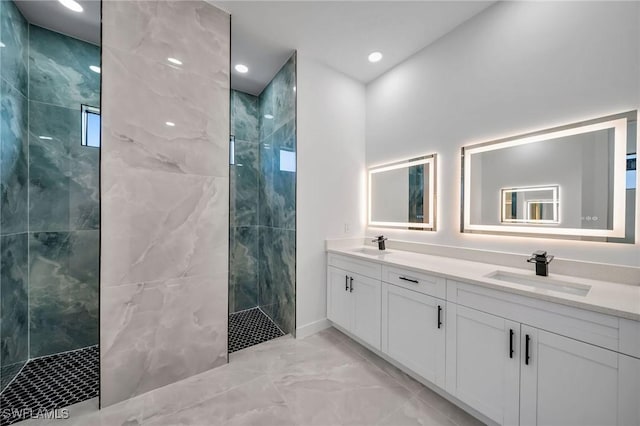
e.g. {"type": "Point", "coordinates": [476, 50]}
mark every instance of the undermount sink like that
{"type": "Point", "coordinates": [371, 251]}
{"type": "Point", "coordinates": [545, 283]}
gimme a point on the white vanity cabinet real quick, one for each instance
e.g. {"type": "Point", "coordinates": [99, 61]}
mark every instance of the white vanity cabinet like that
{"type": "Point", "coordinates": [483, 364]}
{"type": "Point", "coordinates": [567, 382]}
{"type": "Point", "coordinates": [413, 331]}
{"type": "Point", "coordinates": [353, 299]}
{"type": "Point", "coordinates": [515, 373]}
{"type": "Point", "coordinates": [516, 359]}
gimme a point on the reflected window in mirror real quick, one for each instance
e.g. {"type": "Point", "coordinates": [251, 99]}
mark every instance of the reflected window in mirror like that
{"type": "Point", "coordinates": [531, 205]}
{"type": "Point", "coordinates": [567, 182]}
{"type": "Point", "coordinates": [402, 194]}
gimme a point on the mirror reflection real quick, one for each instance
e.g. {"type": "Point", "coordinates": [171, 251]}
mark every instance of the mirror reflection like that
{"type": "Point", "coordinates": [530, 205]}
{"type": "Point", "coordinates": [403, 194]}
{"type": "Point", "coordinates": [568, 181]}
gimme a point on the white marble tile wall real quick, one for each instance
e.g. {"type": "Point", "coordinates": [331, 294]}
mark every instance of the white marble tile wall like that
{"type": "Point", "coordinates": [165, 194]}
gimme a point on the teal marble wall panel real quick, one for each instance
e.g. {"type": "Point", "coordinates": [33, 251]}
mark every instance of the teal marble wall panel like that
{"type": "Point", "coordinates": [63, 291]}
{"type": "Point", "coordinates": [265, 108]}
{"type": "Point", "coordinates": [278, 100]}
{"type": "Point", "coordinates": [277, 207]}
{"type": "Point", "coordinates": [13, 303]}
{"type": "Point", "coordinates": [49, 165]}
{"type": "Point", "coordinates": [64, 197]}
{"type": "Point", "coordinates": [244, 185]}
{"type": "Point", "coordinates": [244, 116]}
{"type": "Point", "coordinates": [13, 56]}
{"type": "Point", "coordinates": [14, 337]}
{"type": "Point", "coordinates": [59, 71]}
{"type": "Point", "coordinates": [277, 254]}
{"type": "Point", "coordinates": [243, 213]}
{"type": "Point", "coordinates": [13, 160]}
{"type": "Point", "coordinates": [84, 188]}
{"type": "Point", "coordinates": [64, 176]}
{"type": "Point", "coordinates": [277, 197]}
{"type": "Point", "coordinates": [243, 268]}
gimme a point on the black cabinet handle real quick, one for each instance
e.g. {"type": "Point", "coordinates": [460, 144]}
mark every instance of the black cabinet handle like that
{"type": "Point", "coordinates": [351, 285]}
{"type": "Point", "coordinates": [526, 349]}
{"type": "Point", "coordinates": [409, 279]}
{"type": "Point", "coordinates": [346, 283]}
{"type": "Point", "coordinates": [439, 316]}
{"type": "Point", "coordinates": [511, 333]}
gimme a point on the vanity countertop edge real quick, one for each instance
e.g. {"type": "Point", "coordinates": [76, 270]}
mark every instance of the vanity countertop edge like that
{"type": "Point", "coordinates": [620, 300]}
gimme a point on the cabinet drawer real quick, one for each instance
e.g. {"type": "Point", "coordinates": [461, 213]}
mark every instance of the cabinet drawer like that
{"type": "Point", "coordinates": [357, 266]}
{"type": "Point", "coordinates": [630, 337]}
{"type": "Point", "coordinates": [579, 324]}
{"type": "Point", "coordinates": [416, 281]}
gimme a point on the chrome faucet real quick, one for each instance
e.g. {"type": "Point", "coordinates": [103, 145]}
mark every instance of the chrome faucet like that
{"type": "Point", "coordinates": [542, 261]}
{"type": "Point", "coordinates": [380, 239]}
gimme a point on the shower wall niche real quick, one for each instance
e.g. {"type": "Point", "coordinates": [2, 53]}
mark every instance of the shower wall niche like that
{"type": "Point", "coordinates": [263, 199]}
{"type": "Point", "coordinates": [50, 203]}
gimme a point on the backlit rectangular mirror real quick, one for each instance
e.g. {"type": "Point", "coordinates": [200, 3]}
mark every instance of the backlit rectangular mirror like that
{"type": "Point", "coordinates": [402, 194]}
{"type": "Point", "coordinates": [565, 182]}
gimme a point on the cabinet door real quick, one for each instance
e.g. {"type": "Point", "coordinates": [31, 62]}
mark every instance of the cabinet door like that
{"type": "Point", "coordinates": [482, 362]}
{"type": "Point", "coordinates": [413, 331]}
{"type": "Point", "coordinates": [339, 308]}
{"type": "Point", "coordinates": [366, 296]}
{"type": "Point", "coordinates": [629, 390]}
{"type": "Point", "coordinates": [567, 382]}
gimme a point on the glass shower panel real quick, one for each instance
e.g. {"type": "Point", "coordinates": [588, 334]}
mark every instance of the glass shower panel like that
{"type": "Point", "coordinates": [50, 208]}
{"type": "Point", "coordinates": [262, 211]}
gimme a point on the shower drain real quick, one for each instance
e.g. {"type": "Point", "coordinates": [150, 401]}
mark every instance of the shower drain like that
{"type": "Point", "coordinates": [50, 383]}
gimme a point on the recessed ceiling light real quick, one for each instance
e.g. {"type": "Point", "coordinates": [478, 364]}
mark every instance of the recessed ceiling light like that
{"type": "Point", "coordinates": [242, 68]}
{"type": "Point", "coordinates": [95, 68]}
{"type": "Point", "coordinates": [268, 116]}
{"type": "Point", "coordinates": [71, 4]}
{"type": "Point", "coordinates": [175, 61]}
{"type": "Point", "coordinates": [46, 138]}
{"type": "Point", "coordinates": [375, 56]}
{"type": "Point", "coordinates": [170, 123]}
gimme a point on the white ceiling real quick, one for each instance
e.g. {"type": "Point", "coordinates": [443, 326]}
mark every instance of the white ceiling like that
{"type": "Point", "coordinates": [52, 15]}
{"type": "Point", "coordinates": [339, 34]}
{"type": "Point", "coordinates": [264, 34]}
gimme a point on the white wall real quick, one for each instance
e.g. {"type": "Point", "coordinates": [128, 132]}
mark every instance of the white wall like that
{"type": "Point", "coordinates": [331, 178]}
{"type": "Point", "coordinates": [514, 68]}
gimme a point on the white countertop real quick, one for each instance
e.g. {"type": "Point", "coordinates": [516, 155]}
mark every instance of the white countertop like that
{"type": "Point", "coordinates": [621, 300]}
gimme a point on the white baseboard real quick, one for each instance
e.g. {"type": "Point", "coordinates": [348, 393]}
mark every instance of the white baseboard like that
{"type": "Point", "coordinates": [312, 328]}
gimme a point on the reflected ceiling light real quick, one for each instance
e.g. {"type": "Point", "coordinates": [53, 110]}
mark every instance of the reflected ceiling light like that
{"type": "Point", "coordinates": [46, 138]}
{"type": "Point", "coordinates": [375, 56]}
{"type": "Point", "coordinates": [170, 123]}
{"type": "Point", "coordinates": [268, 116]}
{"type": "Point", "coordinates": [242, 68]}
{"type": "Point", "coordinates": [2, 44]}
{"type": "Point", "coordinates": [95, 68]}
{"type": "Point", "coordinates": [71, 4]}
{"type": "Point", "coordinates": [294, 88]}
{"type": "Point", "coordinates": [175, 61]}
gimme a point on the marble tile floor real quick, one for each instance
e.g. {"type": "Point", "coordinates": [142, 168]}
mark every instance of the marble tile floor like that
{"type": "Point", "coordinates": [325, 379]}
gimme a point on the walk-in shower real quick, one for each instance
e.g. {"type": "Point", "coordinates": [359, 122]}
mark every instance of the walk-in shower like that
{"type": "Point", "coordinates": [263, 211]}
{"type": "Point", "coordinates": [49, 210]}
